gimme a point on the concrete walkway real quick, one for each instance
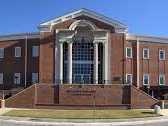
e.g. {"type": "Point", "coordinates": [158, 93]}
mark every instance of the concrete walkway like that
{"type": "Point", "coordinates": [23, 121]}
{"type": "Point", "coordinates": [30, 122]}
{"type": "Point", "coordinates": [164, 112]}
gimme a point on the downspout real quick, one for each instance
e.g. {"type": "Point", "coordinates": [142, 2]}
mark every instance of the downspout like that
{"type": "Point", "coordinates": [25, 82]}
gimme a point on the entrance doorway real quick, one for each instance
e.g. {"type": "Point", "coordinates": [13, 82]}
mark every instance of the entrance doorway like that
{"type": "Point", "coordinates": [82, 78]}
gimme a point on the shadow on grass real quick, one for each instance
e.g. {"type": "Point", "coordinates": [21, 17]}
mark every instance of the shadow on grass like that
{"type": "Point", "coordinates": [148, 113]}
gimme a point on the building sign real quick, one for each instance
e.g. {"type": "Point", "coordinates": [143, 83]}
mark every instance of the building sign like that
{"type": "Point", "coordinates": [81, 92]}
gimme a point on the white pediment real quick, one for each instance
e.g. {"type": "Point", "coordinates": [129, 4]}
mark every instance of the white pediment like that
{"type": "Point", "coordinates": [119, 27]}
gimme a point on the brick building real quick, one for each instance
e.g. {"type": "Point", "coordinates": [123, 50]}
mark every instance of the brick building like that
{"type": "Point", "coordinates": [83, 59]}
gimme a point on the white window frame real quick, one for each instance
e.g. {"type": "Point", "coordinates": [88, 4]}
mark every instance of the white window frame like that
{"type": "Point", "coordinates": [144, 79]}
{"type": "Point", "coordinates": [18, 48]}
{"type": "Point", "coordinates": [163, 55]}
{"type": "Point", "coordinates": [127, 78]}
{"type": "Point", "coordinates": [1, 78]}
{"type": "Point", "coordinates": [17, 80]}
{"type": "Point", "coordinates": [35, 51]}
{"type": "Point", "coordinates": [2, 55]}
{"type": "Point", "coordinates": [35, 77]}
{"type": "Point", "coordinates": [162, 75]}
{"type": "Point", "coordinates": [127, 52]}
{"type": "Point", "coordinates": [145, 49]}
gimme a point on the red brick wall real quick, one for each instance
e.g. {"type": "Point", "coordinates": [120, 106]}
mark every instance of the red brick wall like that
{"type": "Point", "coordinates": [140, 100]}
{"type": "Point", "coordinates": [93, 94]}
{"type": "Point", "coordinates": [49, 96]}
{"type": "Point", "coordinates": [82, 95]}
{"type": "Point", "coordinates": [71, 95]}
{"type": "Point", "coordinates": [47, 57]}
{"type": "Point", "coordinates": [153, 66]}
{"type": "Point", "coordinates": [24, 99]}
{"type": "Point", "coordinates": [100, 25]}
{"type": "Point", "coordinates": [10, 64]}
{"type": "Point", "coordinates": [116, 49]}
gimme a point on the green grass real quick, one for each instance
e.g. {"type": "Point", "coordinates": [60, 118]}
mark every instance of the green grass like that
{"type": "Point", "coordinates": [81, 114]}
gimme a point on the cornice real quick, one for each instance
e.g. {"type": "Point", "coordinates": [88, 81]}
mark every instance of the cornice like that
{"type": "Point", "coordinates": [146, 38]}
{"type": "Point", "coordinates": [19, 36]}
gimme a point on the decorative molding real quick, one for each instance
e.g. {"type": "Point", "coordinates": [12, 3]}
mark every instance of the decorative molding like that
{"type": "Point", "coordinates": [65, 35]}
{"type": "Point", "coordinates": [19, 36]}
{"type": "Point", "coordinates": [100, 36]}
{"type": "Point", "coordinates": [82, 23]}
{"type": "Point", "coordinates": [47, 26]}
{"type": "Point", "coordinates": [150, 39]}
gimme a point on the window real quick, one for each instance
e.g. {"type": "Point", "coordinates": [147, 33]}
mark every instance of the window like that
{"type": "Point", "coordinates": [146, 79]}
{"type": "Point", "coordinates": [1, 78]}
{"type": "Point", "coordinates": [128, 78]}
{"type": "Point", "coordinates": [145, 53]}
{"type": "Point", "coordinates": [162, 54]}
{"type": "Point", "coordinates": [83, 56]}
{"type": "Point", "coordinates": [17, 51]}
{"type": "Point", "coordinates": [17, 78]}
{"type": "Point", "coordinates": [34, 77]}
{"type": "Point", "coordinates": [129, 52]}
{"type": "Point", "coordinates": [161, 79]}
{"type": "Point", "coordinates": [35, 51]}
{"type": "Point", "coordinates": [1, 52]}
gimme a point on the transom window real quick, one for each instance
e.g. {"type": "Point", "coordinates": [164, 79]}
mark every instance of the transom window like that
{"type": "Point", "coordinates": [162, 54]}
{"type": "Point", "coordinates": [145, 53]}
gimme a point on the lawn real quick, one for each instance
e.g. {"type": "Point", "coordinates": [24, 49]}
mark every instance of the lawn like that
{"type": "Point", "coordinates": [81, 114]}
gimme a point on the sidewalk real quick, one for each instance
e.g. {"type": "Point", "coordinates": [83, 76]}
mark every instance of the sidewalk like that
{"type": "Point", "coordinates": [164, 112]}
{"type": "Point", "coordinates": [20, 121]}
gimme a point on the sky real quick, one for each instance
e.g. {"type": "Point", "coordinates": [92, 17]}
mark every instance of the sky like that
{"type": "Point", "coordinates": [144, 17]}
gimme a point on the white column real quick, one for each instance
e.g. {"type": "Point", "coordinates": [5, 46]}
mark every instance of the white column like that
{"type": "Point", "coordinates": [105, 62]}
{"type": "Point", "coordinates": [70, 63]}
{"type": "Point", "coordinates": [137, 63]}
{"type": "Point", "coordinates": [96, 63]}
{"type": "Point", "coordinates": [61, 62]}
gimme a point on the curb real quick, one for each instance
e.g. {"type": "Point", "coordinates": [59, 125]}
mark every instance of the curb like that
{"type": "Point", "coordinates": [12, 122]}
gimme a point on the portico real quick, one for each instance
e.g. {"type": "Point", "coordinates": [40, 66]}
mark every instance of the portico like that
{"type": "Point", "coordinates": [82, 54]}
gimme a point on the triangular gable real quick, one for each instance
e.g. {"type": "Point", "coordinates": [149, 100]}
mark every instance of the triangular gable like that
{"type": "Point", "coordinates": [85, 12]}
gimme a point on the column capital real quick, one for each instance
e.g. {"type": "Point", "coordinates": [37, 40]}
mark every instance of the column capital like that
{"type": "Point", "coordinates": [68, 40]}
{"type": "Point", "coordinates": [96, 41]}
{"type": "Point", "coordinates": [99, 41]}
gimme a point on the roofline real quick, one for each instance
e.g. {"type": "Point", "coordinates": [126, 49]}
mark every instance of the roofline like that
{"type": "Point", "coordinates": [20, 36]}
{"type": "Point", "coordinates": [147, 38]}
{"type": "Point", "coordinates": [84, 12]}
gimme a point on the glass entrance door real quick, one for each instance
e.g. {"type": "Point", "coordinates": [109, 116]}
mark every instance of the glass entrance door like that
{"type": "Point", "coordinates": [82, 79]}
